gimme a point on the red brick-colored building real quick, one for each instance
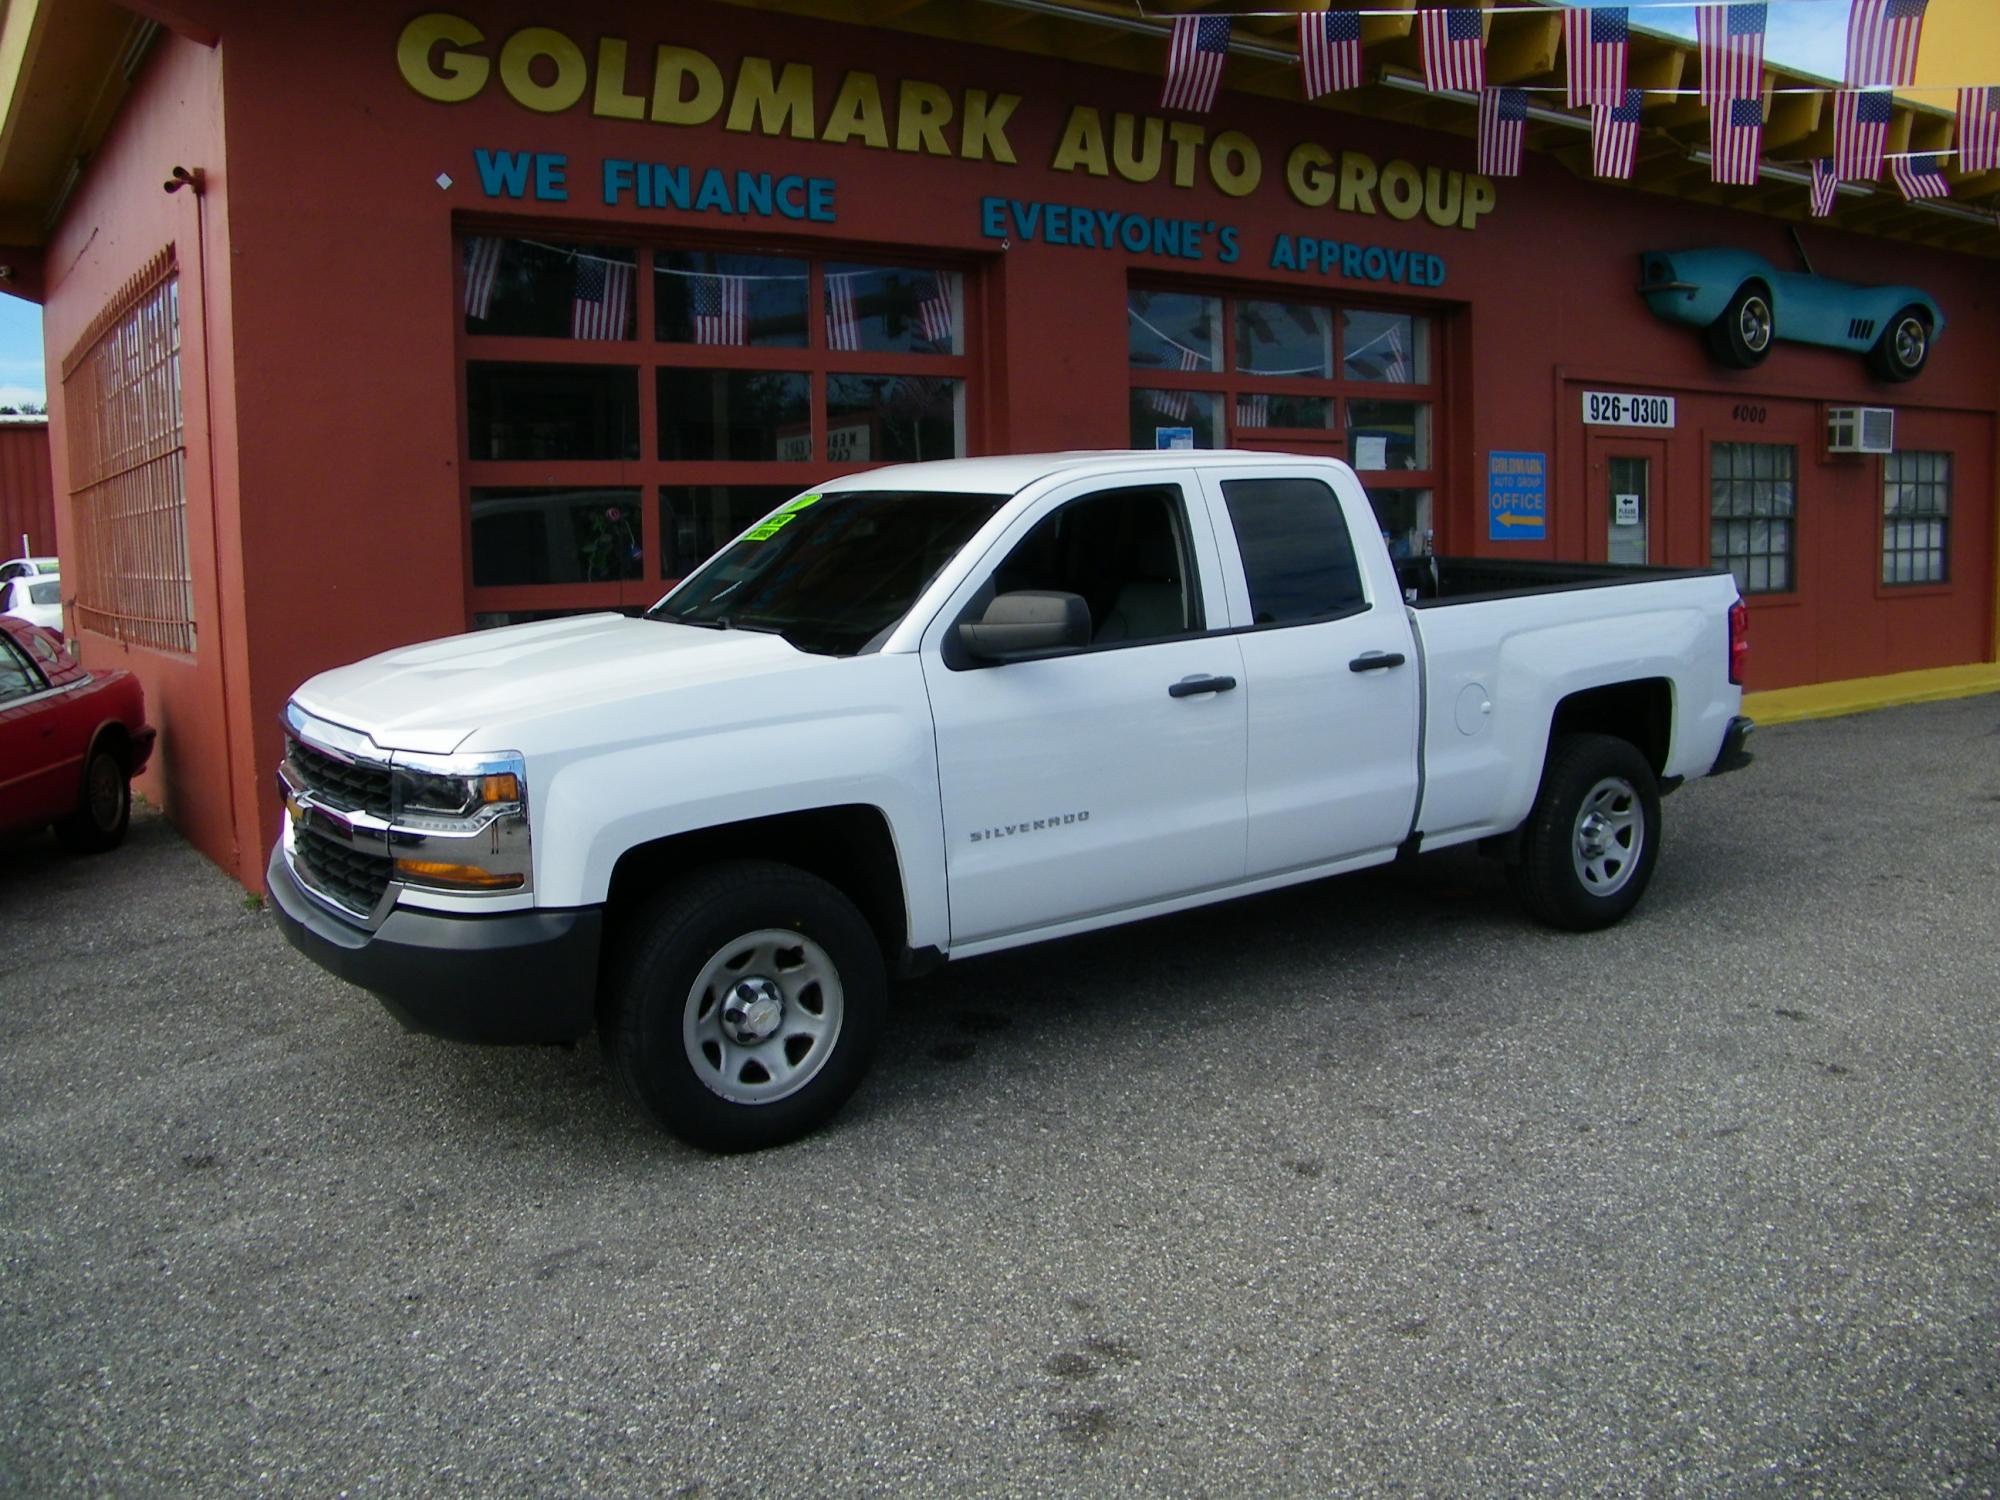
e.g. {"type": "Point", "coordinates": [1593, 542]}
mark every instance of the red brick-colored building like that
{"type": "Point", "coordinates": [368, 324]}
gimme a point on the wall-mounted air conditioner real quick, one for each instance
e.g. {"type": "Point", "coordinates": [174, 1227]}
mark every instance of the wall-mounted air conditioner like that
{"type": "Point", "coordinates": [1860, 429]}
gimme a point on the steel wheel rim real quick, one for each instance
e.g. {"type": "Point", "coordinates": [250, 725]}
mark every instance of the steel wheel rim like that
{"type": "Point", "coordinates": [729, 1007]}
{"type": "Point", "coordinates": [1754, 323]}
{"type": "Point", "coordinates": [1910, 341]}
{"type": "Point", "coordinates": [103, 792]}
{"type": "Point", "coordinates": [1609, 837]}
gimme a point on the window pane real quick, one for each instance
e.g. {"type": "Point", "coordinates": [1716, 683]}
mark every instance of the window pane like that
{"type": "Point", "coordinates": [1173, 330]}
{"type": "Point", "coordinates": [1753, 480]}
{"type": "Point", "coordinates": [1283, 338]}
{"type": "Point", "coordinates": [892, 309]}
{"type": "Point", "coordinates": [1257, 409]}
{"type": "Point", "coordinates": [552, 411]}
{"type": "Point", "coordinates": [730, 300]}
{"type": "Point", "coordinates": [698, 521]}
{"type": "Point", "coordinates": [1159, 416]}
{"type": "Point", "coordinates": [1385, 346]}
{"type": "Point", "coordinates": [893, 418]}
{"type": "Point", "coordinates": [1123, 552]}
{"type": "Point", "coordinates": [526, 288]}
{"type": "Point", "coordinates": [1388, 435]}
{"type": "Point", "coordinates": [555, 536]}
{"type": "Point", "coordinates": [1297, 556]}
{"type": "Point", "coordinates": [1405, 519]}
{"type": "Point", "coordinates": [735, 414]}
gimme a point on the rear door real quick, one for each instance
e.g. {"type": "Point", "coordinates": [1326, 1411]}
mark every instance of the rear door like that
{"type": "Point", "coordinates": [1329, 661]}
{"type": "Point", "coordinates": [1104, 778]}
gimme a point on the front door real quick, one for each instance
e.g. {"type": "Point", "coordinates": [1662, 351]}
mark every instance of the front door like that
{"type": "Point", "coordinates": [1627, 481]}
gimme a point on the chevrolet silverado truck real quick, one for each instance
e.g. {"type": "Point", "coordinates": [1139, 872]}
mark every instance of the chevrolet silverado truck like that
{"type": "Point", "coordinates": [934, 711]}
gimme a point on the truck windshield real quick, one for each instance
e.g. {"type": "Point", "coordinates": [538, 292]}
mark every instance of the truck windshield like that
{"type": "Point", "coordinates": [830, 572]}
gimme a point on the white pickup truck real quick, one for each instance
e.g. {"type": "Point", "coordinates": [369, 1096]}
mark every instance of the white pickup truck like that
{"type": "Point", "coordinates": [933, 711]}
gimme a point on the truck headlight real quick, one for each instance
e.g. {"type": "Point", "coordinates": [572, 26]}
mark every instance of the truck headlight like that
{"type": "Point", "coordinates": [460, 822]}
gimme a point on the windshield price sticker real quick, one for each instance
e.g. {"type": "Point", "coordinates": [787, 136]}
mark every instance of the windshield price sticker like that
{"type": "Point", "coordinates": [778, 520]}
{"type": "Point", "coordinates": [1610, 409]}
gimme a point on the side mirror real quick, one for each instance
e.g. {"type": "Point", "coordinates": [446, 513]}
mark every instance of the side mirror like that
{"type": "Point", "coordinates": [1026, 622]}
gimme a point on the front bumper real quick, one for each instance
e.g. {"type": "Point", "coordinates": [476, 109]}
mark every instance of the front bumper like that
{"type": "Point", "coordinates": [522, 976]}
{"type": "Point", "coordinates": [1735, 752]}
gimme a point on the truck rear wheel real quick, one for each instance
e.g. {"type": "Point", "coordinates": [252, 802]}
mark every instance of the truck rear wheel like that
{"type": "Point", "coordinates": [746, 1003]}
{"type": "Point", "coordinates": [1593, 836]}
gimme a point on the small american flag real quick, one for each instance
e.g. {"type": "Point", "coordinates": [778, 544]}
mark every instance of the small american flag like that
{"type": "Point", "coordinates": [1503, 116]}
{"type": "Point", "coordinates": [1825, 183]}
{"type": "Point", "coordinates": [1919, 176]}
{"type": "Point", "coordinates": [934, 312]}
{"type": "Point", "coordinates": [1979, 129]}
{"type": "Point", "coordinates": [1614, 135]}
{"type": "Point", "coordinates": [721, 310]}
{"type": "Point", "coordinates": [1882, 38]}
{"type": "Point", "coordinates": [602, 301]}
{"type": "Point", "coordinates": [1194, 62]}
{"type": "Point", "coordinates": [482, 269]}
{"type": "Point", "coordinates": [1454, 48]}
{"type": "Point", "coordinates": [843, 323]}
{"type": "Point", "coordinates": [1735, 134]}
{"type": "Point", "coordinates": [1175, 405]}
{"type": "Point", "coordinates": [1393, 367]}
{"type": "Point", "coordinates": [1595, 43]}
{"type": "Point", "coordinates": [1860, 133]}
{"type": "Point", "coordinates": [1330, 51]}
{"type": "Point", "coordinates": [1253, 410]}
{"type": "Point", "coordinates": [1731, 46]}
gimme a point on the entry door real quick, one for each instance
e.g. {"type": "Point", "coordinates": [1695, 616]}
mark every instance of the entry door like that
{"type": "Point", "coordinates": [1628, 523]}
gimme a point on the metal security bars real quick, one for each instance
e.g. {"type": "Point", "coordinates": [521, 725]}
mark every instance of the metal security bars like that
{"type": "Point", "coordinates": [122, 404]}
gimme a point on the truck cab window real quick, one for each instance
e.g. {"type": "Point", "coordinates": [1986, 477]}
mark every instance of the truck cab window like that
{"type": "Point", "coordinates": [1125, 551]}
{"type": "Point", "coordinates": [1297, 556]}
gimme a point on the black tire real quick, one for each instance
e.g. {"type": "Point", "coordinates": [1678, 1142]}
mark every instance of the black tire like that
{"type": "Point", "coordinates": [104, 809]}
{"type": "Point", "coordinates": [714, 960]}
{"type": "Point", "coordinates": [1903, 349]}
{"type": "Point", "coordinates": [1578, 873]}
{"type": "Point", "coordinates": [1742, 336]}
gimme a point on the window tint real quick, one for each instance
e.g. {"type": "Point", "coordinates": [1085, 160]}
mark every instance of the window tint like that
{"type": "Point", "coordinates": [17, 678]}
{"type": "Point", "coordinates": [1124, 551]}
{"type": "Point", "coordinates": [1297, 556]}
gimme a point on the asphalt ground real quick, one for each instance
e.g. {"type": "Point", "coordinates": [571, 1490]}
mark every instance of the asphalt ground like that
{"type": "Point", "coordinates": [1369, 1187]}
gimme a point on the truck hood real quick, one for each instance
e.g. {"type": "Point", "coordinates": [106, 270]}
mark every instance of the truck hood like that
{"type": "Point", "coordinates": [436, 696]}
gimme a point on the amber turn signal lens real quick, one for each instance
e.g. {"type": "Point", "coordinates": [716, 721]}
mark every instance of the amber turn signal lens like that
{"type": "Point", "coordinates": [465, 877]}
{"type": "Point", "coordinates": [504, 788]}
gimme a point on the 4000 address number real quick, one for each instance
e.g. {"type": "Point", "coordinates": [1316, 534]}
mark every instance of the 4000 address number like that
{"type": "Point", "coordinates": [1607, 409]}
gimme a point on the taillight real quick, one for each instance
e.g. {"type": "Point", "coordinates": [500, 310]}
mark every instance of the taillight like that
{"type": "Point", "coordinates": [1739, 640]}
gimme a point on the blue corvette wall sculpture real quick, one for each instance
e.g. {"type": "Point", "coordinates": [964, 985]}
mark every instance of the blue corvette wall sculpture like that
{"type": "Point", "coordinates": [1742, 302]}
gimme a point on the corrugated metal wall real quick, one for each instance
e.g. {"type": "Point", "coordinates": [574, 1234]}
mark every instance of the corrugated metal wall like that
{"type": "Point", "coordinates": [27, 488]}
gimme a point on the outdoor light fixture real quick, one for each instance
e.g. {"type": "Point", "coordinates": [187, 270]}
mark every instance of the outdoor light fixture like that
{"type": "Point", "coordinates": [183, 178]}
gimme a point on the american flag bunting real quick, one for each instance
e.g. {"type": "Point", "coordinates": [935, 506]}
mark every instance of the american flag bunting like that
{"type": "Point", "coordinates": [482, 270]}
{"type": "Point", "coordinates": [1503, 116]}
{"type": "Point", "coordinates": [1979, 129]}
{"type": "Point", "coordinates": [1454, 39]}
{"type": "Point", "coordinates": [1860, 133]}
{"type": "Point", "coordinates": [1825, 183]}
{"type": "Point", "coordinates": [1920, 176]}
{"type": "Point", "coordinates": [843, 322]}
{"type": "Point", "coordinates": [1330, 51]}
{"type": "Point", "coordinates": [1253, 410]}
{"type": "Point", "coordinates": [934, 312]}
{"type": "Point", "coordinates": [1176, 405]}
{"type": "Point", "coordinates": [1730, 40]}
{"type": "Point", "coordinates": [1735, 135]}
{"type": "Point", "coordinates": [1882, 37]}
{"type": "Point", "coordinates": [1595, 43]}
{"type": "Point", "coordinates": [601, 303]}
{"type": "Point", "coordinates": [1614, 135]}
{"type": "Point", "coordinates": [721, 310]}
{"type": "Point", "coordinates": [1393, 368]}
{"type": "Point", "coordinates": [1194, 63]}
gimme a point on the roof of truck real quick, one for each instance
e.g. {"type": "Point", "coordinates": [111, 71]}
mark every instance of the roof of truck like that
{"type": "Point", "coordinates": [1008, 474]}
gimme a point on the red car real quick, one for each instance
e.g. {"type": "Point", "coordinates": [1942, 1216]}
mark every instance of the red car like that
{"type": "Point", "coordinates": [70, 741]}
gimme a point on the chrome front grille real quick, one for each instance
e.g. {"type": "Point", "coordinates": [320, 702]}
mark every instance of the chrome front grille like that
{"type": "Point", "coordinates": [357, 786]}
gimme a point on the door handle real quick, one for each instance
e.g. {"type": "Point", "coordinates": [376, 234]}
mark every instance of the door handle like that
{"type": "Point", "coordinates": [1375, 661]}
{"type": "Point", "coordinates": [1187, 687]}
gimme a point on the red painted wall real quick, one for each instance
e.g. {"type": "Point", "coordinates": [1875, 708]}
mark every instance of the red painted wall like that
{"type": "Point", "coordinates": [331, 519]}
{"type": "Point", "coordinates": [27, 488]}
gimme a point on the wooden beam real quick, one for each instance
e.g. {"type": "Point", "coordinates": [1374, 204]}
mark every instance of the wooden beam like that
{"type": "Point", "coordinates": [1524, 48]}
{"type": "Point", "coordinates": [1793, 117]}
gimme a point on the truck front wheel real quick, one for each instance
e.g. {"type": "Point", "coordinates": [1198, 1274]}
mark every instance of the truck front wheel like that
{"type": "Point", "coordinates": [1591, 841]}
{"type": "Point", "coordinates": [745, 1003]}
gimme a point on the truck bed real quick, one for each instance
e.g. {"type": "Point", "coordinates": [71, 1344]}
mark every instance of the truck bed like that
{"type": "Point", "coordinates": [1431, 581]}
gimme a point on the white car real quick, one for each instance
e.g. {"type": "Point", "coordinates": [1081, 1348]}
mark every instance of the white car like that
{"type": "Point", "coordinates": [34, 597]}
{"type": "Point", "coordinates": [22, 567]}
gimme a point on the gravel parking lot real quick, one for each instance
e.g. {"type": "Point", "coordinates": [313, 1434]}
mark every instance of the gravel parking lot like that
{"type": "Point", "coordinates": [1365, 1188]}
